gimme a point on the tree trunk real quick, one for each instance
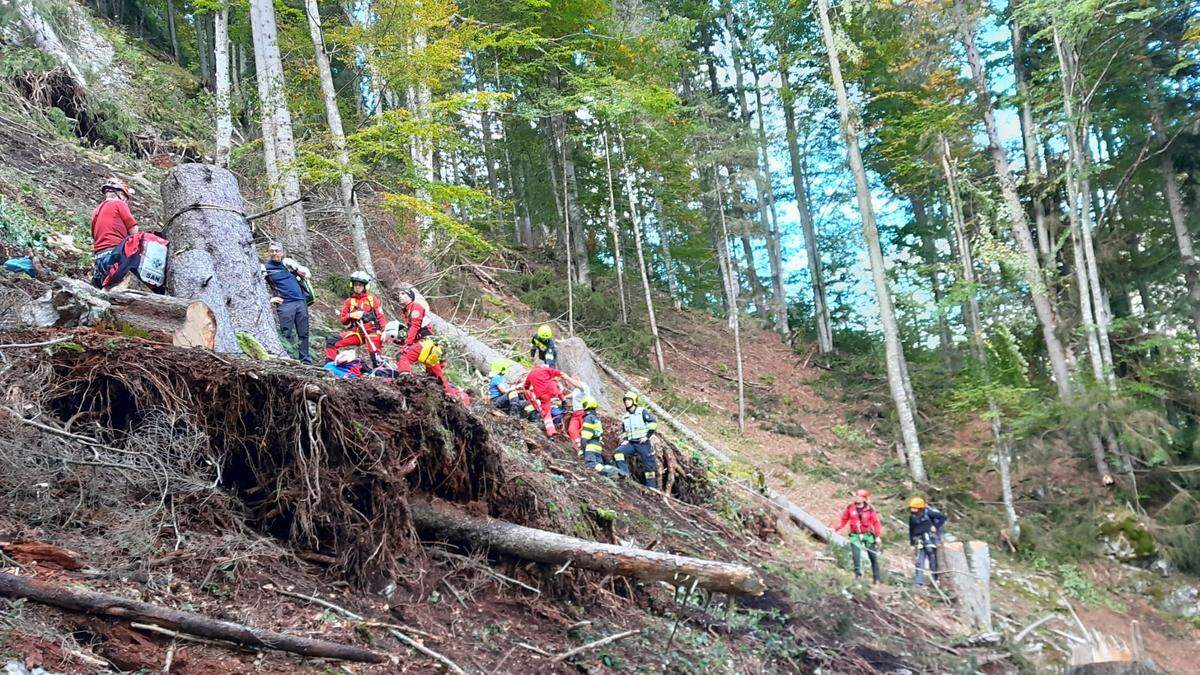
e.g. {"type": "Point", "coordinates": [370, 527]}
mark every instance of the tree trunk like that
{"type": "Point", "coordinates": [930, 254]}
{"type": "Point", "coordinates": [1055, 351]}
{"type": "Point", "coordinates": [734, 318]}
{"type": "Point", "coordinates": [1080, 192]}
{"type": "Point", "coordinates": [212, 258]}
{"type": "Point", "coordinates": [171, 30]}
{"type": "Point", "coordinates": [333, 116]}
{"type": "Point", "coordinates": [777, 311]}
{"type": "Point", "coordinates": [575, 357]}
{"type": "Point", "coordinates": [613, 232]}
{"type": "Point", "coordinates": [664, 235]}
{"type": "Point", "coordinates": [969, 568]}
{"type": "Point", "coordinates": [270, 68]}
{"type": "Point", "coordinates": [224, 144]}
{"type": "Point", "coordinates": [124, 609]}
{"type": "Point", "coordinates": [756, 287]}
{"type": "Point", "coordinates": [445, 521]}
{"type": "Point", "coordinates": [485, 134]}
{"type": "Point", "coordinates": [47, 40]}
{"type": "Point", "coordinates": [975, 331]}
{"type": "Point", "coordinates": [811, 247]}
{"type": "Point", "coordinates": [575, 227]}
{"type": "Point", "coordinates": [1176, 209]}
{"type": "Point", "coordinates": [420, 100]}
{"type": "Point", "coordinates": [71, 302]}
{"type": "Point", "coordinates": [570, 272]}
{"type": "Point", "coordinates": [203, 48]}
{"type": "Point", "coordinates": [635, 220]}
{"type": "Point", "coordinates": [905, 408]}
{"type": "Point", "coordinates": [1033, 164]}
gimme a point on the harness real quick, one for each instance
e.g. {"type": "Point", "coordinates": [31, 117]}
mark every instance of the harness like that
{"type": "Point", "coordinates": [592, 431]}
{"type": "Point", "coordinates": [370, 318]}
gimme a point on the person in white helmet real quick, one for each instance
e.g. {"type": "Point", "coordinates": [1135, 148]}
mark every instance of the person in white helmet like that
{"type": "Point", "coordinates": [362, 315]}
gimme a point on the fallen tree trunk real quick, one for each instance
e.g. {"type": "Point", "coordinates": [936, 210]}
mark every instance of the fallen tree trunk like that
{"type": "Point", "coordinates": [474, 350]}
{"type": "Point", "coordinates": [549, 547]}
{"type": "Point", "coordinates": [774, 497]}
{"type": "Point", "coordinates": [71, 302]}
{"type": "Point", "coordinates": [212, 256]}
{"type": "Point", "coordinates": [116, 607]}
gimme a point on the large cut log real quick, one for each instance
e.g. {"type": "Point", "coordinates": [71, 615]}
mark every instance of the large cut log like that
{"type": "Point", "coordinates": [969, 568]}
{"type": "Point", "coordinates": [70, 302]}
{"type": "Point", "coordinates": [770, 495]}
{"type": "Point", "coordinates": [575, 358]}
{"type": "Point", "coordinates": [212, 257]}
{"type": "Point", "coordinates": [191, 623]}
{"type": "Point", "coordinates": [444, 521]}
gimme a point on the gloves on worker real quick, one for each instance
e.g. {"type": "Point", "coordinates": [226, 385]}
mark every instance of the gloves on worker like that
{"type": "Point", "coordinates": [356, 315]}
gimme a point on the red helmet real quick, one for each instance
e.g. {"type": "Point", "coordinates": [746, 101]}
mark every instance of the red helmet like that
{"type": "Point", "coordinates": [864, 495]}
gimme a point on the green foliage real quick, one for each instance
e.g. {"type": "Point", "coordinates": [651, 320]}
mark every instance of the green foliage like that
{"type": "Point", "coordinates": [18, 228]}
{"type": "Point", "coordinates": [251, 347]}
{"type": "Point", "coordinates": [1076, 585]}
{"type": "Point", "coordinates": [852, 438]}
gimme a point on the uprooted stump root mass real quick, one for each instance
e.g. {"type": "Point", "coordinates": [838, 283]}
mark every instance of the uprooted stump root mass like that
{"type": "Point", "coordinates": [324, 464]}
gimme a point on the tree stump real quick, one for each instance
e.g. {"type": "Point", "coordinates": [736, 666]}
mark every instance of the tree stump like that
{"type": "Point", "coordinates": [212, 257]}
{"type": "Point", "coordinates": [575, 359]}
{"type": "Point", "coordinates": [968, 567]}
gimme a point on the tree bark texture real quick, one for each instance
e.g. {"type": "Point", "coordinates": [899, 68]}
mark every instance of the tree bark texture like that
{"type": "Point", "coordinates": [274, 106]}
{"type": "Point", "coordinates": [1177, 210]}
{"type": "Point", "coordinates": [811, 247]}
{"type": "Point", "coordinates": [969, 568]}
{"type": "Point", "coordinates": [171, 30]}
{"type": "Point", "coordinates": [735, 317]}
{"type": "Point", "coordinates": [442, 520]}
{"type": "Point", "coordinates": [905, 406]}
{"type": "Point", "coordinates": [224, 145]}
{"type": "Point", "coordinates": [635, 219]}
{"type": "Point", "coordinates": [1033, 164]}
{"type": "Point", "coordinates": [333, 117]}
{"type": "Point", "coordinates": [47, 40]}
{"type": "Point", "coordinates": [71, 302]}
{"type": "Point", "coordinates": [116, 607]}
{"type": "Point", "coordinates": [613, 231]}
{"type": "Point", "coordinates": [575, 358]}
{"type": "Point", "coordinates": [1056, 352]}
{"type": "Point", "coordinates": [212, 258]}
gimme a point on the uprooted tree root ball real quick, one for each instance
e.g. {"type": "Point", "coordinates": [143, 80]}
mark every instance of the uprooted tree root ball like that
{"type": "Point", "coordinates": [327, 465]}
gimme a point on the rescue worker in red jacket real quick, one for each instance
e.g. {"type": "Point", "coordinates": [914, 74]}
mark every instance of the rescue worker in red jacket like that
{"type": "Point", "coordinates": [362, 315]}
{"type": "Point", "coordinates": [865, 532]}
{"type": "Point", "coordinates": [416, 317]}
{"type": "Point", "coordinates": [111, 223]}
{"type": "Point", "coordinates": [542, 385]}
{"type": "Point", "coordinates": [427, 352]}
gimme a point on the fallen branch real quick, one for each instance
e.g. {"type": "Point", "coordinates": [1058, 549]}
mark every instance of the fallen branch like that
{"type": "Point", "coordinates": [598, 643]}
{"type": "Point", "coordinates": [415, 644]}
{"type": "Point", "coordinates": [802, 517]}
{"type": "Point", "coordinates": [103, 604]}
{"type": "Point", "coordinates": [447, 555]}
{"type": "Point", "coordinates": [552, 548]}
{"type": "Point", "coordinates": [47, 343]}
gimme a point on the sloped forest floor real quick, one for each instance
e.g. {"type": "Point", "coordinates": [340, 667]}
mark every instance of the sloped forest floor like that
{"type": "Point", "coordinates": [201, 482]}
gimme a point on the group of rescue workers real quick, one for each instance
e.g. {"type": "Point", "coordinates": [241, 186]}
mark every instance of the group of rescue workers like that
{"type": "Point", "coordinates": [866, 535]}
{"type": "Point", "coordinates": [120, 247]}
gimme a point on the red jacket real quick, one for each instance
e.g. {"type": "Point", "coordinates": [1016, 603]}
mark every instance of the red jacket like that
{"type": "Point", "coordinates": [371, 308]}
{"type": "Point", "coordinates": [415, 311]}
{"type": "Point", "coordinates": [111, 222]}
{"type": "Point", "coordinates": [541, 381]}
{"type": "Point", "coordinates": [861, 520]}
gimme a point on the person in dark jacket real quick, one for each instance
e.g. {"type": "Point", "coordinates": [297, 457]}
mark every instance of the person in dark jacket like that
{"type": "Point", "coordinates": [924, 533]}
{"type": "Point", "coordinates": [541, 346]}
{"type": "Point", "coordinates": [865, 532]}
{"type": "Point", "coordinates": [284, 276]}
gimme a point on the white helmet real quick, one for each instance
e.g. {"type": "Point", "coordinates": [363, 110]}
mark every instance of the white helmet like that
{"type": "Point", "coordinates": [392, 329]}
{"type": "Point", "coordinates": [360, 277]}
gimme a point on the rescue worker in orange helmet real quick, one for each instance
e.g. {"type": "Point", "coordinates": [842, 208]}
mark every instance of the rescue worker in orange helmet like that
{"type": "Point", "coordinates": [362, 315]}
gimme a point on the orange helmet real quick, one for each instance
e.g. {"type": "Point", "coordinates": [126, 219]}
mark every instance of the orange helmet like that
{"type": "Point", "coordinates": [916, 503]}
{"type": "Point", "coordinates": [864, 495]}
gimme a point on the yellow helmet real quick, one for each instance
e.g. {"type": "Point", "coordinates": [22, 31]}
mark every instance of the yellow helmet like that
{"type": "Point", "coordinates": [589, 403]}
{"type": "Point", "coordinates": [500, 366]}
{"type": "Point", "coordinates": [632, 395]}
{"type": "Point", "coordinates": [544, 332]}
{"type": "Point", "coordinates": [916, 503]}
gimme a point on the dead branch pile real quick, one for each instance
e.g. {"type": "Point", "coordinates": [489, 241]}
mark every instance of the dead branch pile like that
{"type": "Point", "coordinates": [324, 464]}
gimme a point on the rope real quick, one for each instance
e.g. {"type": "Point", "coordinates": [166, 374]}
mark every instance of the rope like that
{"type": "Point", "coordinates": [201, 206]}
